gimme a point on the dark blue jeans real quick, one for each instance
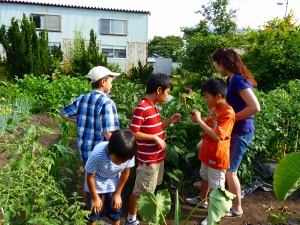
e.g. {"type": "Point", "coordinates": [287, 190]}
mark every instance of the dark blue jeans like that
{"type": "Point", "coordinates": [110, 212]}
{"type": "Point", "coordinates": [238, 146]}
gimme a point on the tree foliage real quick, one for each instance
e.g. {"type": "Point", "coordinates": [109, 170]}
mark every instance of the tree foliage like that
{"type": "Point", "coordinates": [198, 53]}
{"type": "Point", "coordinates": [217, 19]}
{"type": "Point", "coordinates": [272, 53]}
{"type": "Point", "coordinates": [82, 59]}
{"type": "Point", "coordinates": [168, 47]}
{"type": "Point", "coordinates": [26, 52]}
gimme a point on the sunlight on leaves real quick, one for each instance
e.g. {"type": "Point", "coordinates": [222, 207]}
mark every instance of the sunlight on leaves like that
{"type": "Point", "coordinates": [287, 176]}
{"type": "Point", "coordinates": [220, 202]}
{"type": "Point", "coordinates": [153, 208]}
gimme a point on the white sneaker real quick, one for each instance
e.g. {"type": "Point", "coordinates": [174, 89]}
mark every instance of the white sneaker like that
{"type": "Point", "coordinates": [136, 222]}
{"type": "Point", "coordinates": [204, 222]}
{"type": "Point", "coordinates": [196, 201]}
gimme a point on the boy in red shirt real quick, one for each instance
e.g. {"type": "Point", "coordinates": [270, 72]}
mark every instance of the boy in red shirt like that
{"type": "Point", "coordinates": [148, 129]}
{"type": "Point", "coordinates": [214, 147]}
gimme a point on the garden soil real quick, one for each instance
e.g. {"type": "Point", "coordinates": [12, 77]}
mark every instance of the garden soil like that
{"type": "Point", "coordinates": [257, 206]}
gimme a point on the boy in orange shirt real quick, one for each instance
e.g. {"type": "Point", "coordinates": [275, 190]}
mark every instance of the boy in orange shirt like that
{"type": "Point", "coordinates": [214, 147]}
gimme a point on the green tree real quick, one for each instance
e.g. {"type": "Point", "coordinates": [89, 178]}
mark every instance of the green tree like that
{"type": "Point", "coordinates": [95, 58]}
{"type": "Point", "coordinates": [44, 52]}
{"type": "Point", "coordinates": [168, 47]}
{"type": "Point", "coordinates": [35, 43]}
{"type": "Point", "coordinates": [199, 50]}
{"type": "Point", "coordinates": [217, 19]}
{"type": "Point", "coordinates": [272, 52]}
{"type": "Point", "coordinates": [23, 48]}
{"type": "Point", "coordinates": [82, 59]}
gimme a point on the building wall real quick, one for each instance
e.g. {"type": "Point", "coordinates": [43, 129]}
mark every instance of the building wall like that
{"type": "Point", "coordinates": [86, 19]}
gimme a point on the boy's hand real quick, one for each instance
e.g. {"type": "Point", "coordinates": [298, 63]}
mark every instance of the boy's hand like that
{"type": "Point", "coordinates": [196, 115]}
{"type": "Point", "coordinates": [175, 118]}
{"type": "Point", "coordinates": [96, 205]}
{"type": "Point", "coordinates": [116, 202]}
{"type": "Point", "coordinates": [160, 142]}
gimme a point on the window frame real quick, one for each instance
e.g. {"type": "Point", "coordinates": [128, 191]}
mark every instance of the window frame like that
{"type": "Point", "coordinates": [46, 28]}
{"type": "Point", "coordinates": [111, 24]}
{"type": "Point", "coordinates": [114, 50]}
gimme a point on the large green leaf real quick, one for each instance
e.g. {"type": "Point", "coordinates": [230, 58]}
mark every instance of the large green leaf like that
{"type": "Point", "coordinates": [287, 176]}
{"type": "Point", "coordinates": [220, 202]}
{"type": "Point", "coordinates": [154, 208]}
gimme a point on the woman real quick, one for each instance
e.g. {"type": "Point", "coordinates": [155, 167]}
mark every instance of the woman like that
{"type": "Point", "coordinates": [241, 97]}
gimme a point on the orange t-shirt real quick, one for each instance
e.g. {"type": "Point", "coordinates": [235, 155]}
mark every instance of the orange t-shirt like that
{"type": "Point", "coordinates": [215, 154]}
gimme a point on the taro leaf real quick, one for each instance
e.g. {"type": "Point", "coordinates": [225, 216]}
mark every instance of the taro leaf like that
{"type": "Point", "coordinates": [177, 175]}
{"type": "Point", "coordinates": [154, 209]}
{"type": "Point", "coordinates": [220, 202]}
{"type": "Point", "coordinates": [287, 176]}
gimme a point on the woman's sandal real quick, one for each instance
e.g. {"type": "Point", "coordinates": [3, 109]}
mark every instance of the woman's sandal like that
{"type": "Point", "coordinates": [232, 214]}
{"type": "Point", "coordinates": [197, 184]}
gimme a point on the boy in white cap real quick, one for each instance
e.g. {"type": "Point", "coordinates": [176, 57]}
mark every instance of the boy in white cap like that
{"type": "Point", "coordinates": [94, 113]}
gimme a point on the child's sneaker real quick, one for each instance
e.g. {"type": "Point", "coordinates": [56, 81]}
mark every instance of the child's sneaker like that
{"type": "Point", "coordinates": [136, 222]}
{"type": "Point", "coordinates": [196, 201]}
{"type": "Point", "coordinates": [204, 222]}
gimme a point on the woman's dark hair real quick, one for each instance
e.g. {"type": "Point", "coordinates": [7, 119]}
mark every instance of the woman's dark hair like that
{"type": "Point", "coordinates": [214, 86]}
{"type": "Point", "coordinates": [157, 80]}
{"type": "Point", "coordinates": [122, 144]}
{"type": "Point", "coordinates": [232, 61]}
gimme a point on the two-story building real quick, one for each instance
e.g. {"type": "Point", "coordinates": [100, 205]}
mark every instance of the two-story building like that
{"type": "Point", "coordinates": [121, 34]}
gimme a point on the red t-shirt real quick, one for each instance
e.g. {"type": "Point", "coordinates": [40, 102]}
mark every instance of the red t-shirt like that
{"type": "Point", "coordinates": [146, 119]}
{"type": "Point", "coordinates": [215, 154]}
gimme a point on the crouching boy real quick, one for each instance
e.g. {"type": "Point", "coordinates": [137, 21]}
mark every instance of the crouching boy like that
{"type": "Point", "coordinates": [107, 170]}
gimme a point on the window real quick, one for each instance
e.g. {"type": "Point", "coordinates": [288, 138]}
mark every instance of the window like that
{"type": "Point", "coordinates": [113, 27]}
{"type": "Point", "coordinates": [118, 52]}
{"type": "Point", "coordinates": [52, 45]}
{"type": "Point", "coordinates": [46, 22]}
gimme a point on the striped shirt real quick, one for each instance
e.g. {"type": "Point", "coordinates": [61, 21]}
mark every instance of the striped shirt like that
{"type": "Point", "coordinates": [146, 119]}
{"type": "Point", "coordinates": [107, 174]}
{"type": "Point", "coordinates": [95, 113]}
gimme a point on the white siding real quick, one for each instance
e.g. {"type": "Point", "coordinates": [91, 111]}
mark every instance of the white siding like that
{"type": "Point", "coordinates": [87, 19]}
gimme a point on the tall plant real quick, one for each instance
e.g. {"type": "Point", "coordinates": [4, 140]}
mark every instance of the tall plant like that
{"type": "Point", "coordinates": [26, 52]}
{"type": "Point", "coordinates": [82, 59]}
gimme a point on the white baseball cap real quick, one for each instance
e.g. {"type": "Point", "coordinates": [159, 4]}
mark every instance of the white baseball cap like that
{"type": "Point", "coordinates": [99, 72]}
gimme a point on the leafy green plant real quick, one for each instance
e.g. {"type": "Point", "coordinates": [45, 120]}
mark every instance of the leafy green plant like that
{"type": "Point", "coordinates": [286, 181]}
{"type": "Point", "coordinates": [12, 112]}
{"type": "Point", "coordinates": [29, 193]}
{"type": "Point", "coordinates": [154, 208]}
{"type": "Point", "coordinates": [140, 73]}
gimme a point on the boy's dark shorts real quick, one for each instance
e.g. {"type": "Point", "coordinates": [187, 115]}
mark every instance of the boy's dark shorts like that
{"type": "Point", "coordinates": [112, 214]}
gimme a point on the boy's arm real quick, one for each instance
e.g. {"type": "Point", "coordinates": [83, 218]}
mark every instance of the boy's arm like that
{"type": "Point", "coordinates": [150, 137]}
{"type": "Point", "coordinates": [116, 199]}
{"type": "Point", "coordinates": [73, 120]}
{"type": "Point", "coordinates": [175, 118]}
{"type": "Point", "coordinates": [96, 201]}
